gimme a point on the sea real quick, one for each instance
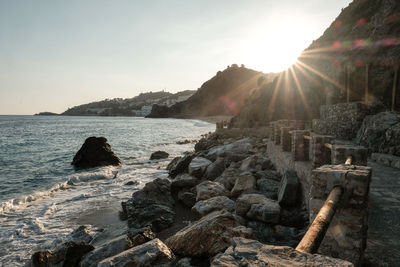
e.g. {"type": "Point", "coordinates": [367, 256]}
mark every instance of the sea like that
{"type": "Point", "coordinates": [43, 198]}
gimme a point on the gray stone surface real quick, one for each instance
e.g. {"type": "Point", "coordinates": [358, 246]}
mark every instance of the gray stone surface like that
{"type": "Point", "coordinates": [246, 252]}
{"type": "Point", "coordinates": [243, 184]}
{"type": "Point", "coordinates": [258, 207]}
{"type": "Point", "coordinates": [215, 169]}
{"type": "Point", "coordinates": [204, 207]}
{"type": "Point", "coordinates": [209, 189]}
{"type": "Point", "coordinates": [198, 166]}
{"type": "Point", "coordinates": [268, 187]}
{"type": "Point", "coordinates": [109, 249]}
{"type": "Point", "coordinates": [386, 159]}
{"type": "Point", "coordinates": [152, 253]}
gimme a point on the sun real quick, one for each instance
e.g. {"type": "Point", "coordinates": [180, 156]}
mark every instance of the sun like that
{"type": "Point", "coordinates": [277, 47]}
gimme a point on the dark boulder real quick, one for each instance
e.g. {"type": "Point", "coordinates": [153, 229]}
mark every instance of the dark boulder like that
{"type": "Point", "coordinates": [159, 155]}
{"type": "Point", "coordinates": [288, 194]}
{"type": "Point", "coordinates": [67, 254]}
{"type": "Point", "coordinates": [95, 152]}
{"type": "Point", "coordinates": [179, 165]}
{"type": "Point", "coordinates": [152, 206]}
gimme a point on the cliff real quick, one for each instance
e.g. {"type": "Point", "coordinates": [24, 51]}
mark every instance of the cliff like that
{"type": "Point", "coordinates": [223, 94]}
{"type": "Point", "coordinates": [359, 52]}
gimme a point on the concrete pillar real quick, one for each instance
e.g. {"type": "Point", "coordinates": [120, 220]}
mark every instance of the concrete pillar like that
{"type": "Point", "coordinates": [300, 146]}
{"type": "Point", "coordinates": [272, 132]}
{"type": "Point", "coordinates": [286, 139]}
{"type": "Point", "coordinates": [340, 153]}
{"type": "Point", "coordinates": [319, 154]}
{"type": "Point", "coordinates": [347, 234]}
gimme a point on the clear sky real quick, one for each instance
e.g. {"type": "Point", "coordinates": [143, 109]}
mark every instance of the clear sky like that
{"type": "Point", "coordinates": [57, 54]}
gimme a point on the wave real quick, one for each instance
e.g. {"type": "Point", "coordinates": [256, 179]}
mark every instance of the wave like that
{"type": "Point", "coordinates": [105, 173]}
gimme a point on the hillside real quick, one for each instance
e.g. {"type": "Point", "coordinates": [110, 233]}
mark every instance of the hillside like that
{"type": "Point", "coordinates": [223, 94]}
{"type": "Point", "coordinates": [137, 106]}
{"type": "Point", "coordinates": [367, 32]}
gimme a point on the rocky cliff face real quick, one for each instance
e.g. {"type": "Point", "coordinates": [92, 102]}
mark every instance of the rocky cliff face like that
{"type": "Point", "coordinates": [360, 49]}
{"type": "Point", "coordinates": [224, 94]}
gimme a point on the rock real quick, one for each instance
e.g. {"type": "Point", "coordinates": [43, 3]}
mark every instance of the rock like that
{"type": "Point", "coordinates": [140, 236]}
{"type": "Point", "coordinates": [180, 165]}
{"type": "Point", "coordinates": [275, 234]}
{"type": "Point", "coordinates": [67, 254]}
{"type": "Point", "coordinates": [185, 262]}
{"type": "Point", "coordinates": [294, 218]}
{"type": "Point", "coordinates": [288, 193]}
{"type": "Point", "coordinates": [82, 233]}
{"type": "Point", "coordinates": [182, 181]}
{"type": "Point", "coordinates": [159, 155]}
{"type": "Point", "coordinates": [209, 189]}
{"type": "Point", "coordinates": [268, 211]}
{"type": "Point", "coordinates": [247, 252]}
{"type": "Point", "coordinates": [268, 174]}
{"type": "Point", "coordinates": [228, 178]}
{"type": "Point", "coordinates": [243, 184]}
{"type": "Point", "coordinates": [244, 202]}
{"type": "Point", "coordinates": [114, 247]}
{"type": "Point", "coordinates": [151, 206]}
{"type": "Point", "coordinates": [206, 237]}
{"type": "Point", "coordinates": [381, 133]}
{"type": "Point", "coordinates": [152, 253]}
{"type": "Point", "coordinates": [268, 188]}
{"type": "Point", "coordinates": [173, 163]}
{"type": "Point", "coordinates": [95, 152]}
{"type": "Point", "coordinates": [198, 166]}
{"type": "Point", "coordinates": [204, 207]}
{"type": "Point", "coordinates": [215, 169]}
{"type": "Point", "coordinates": [205, 144]}
{"type": "Point", "coordinates": [187, 197]}
{"type": "Point", "coordinates": [248, 163]}
{"type": "Point", "coordinates": [132, 183]}
{"type": "Point", "coordinates": [267, 164]}
{"type": "Point", "coordinates": [242, 146]}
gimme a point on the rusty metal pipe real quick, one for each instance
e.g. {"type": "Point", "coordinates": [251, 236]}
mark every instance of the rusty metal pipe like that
{"type": "Point", "coordinates": [316, 233]}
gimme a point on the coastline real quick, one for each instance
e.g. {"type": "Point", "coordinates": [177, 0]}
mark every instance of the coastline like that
{"type": "Point", "coordinates": [213, 119]}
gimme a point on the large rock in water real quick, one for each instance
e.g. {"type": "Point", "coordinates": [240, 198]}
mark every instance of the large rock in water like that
{"type": "Point", "coordinates": [179, 165]}
{"type": "Point", "coordinates": [151, 206]}
{"type": "Point", "coordinates": [66, 254]}
{"type": "Point", "coordinates": [152, 253]}
{"type": "Point", "coordinates": [381, 133]}
{"type": "Point", "coordinates": [159, 155]}
{"type": "Point", "coordinates": [95, 152]}
{"type": "Point", "coordinates": [206, 237]}
{"type": "Point", "coordinates": [246, 252]}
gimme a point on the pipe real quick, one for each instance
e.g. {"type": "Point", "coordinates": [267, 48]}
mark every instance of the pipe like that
{"type": "Point", "coordinates": [316, 233]}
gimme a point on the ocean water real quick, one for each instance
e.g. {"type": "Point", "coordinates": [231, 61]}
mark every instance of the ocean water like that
{"type": "Point", "coordinates": [42, 197]}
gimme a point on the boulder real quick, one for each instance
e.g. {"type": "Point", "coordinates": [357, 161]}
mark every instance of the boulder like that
{"type": "Point", "coordinates": [82, 233]}
{"type": "Point", "coordinates": [172, 163]}
{"type": "Point", "coordinates": [258, 207]}
{"type": "Point", "coordinates": [205, 144]}
{"type": "Point", "coordinates": [140, 236]}
{"type": "Point", "coordinates": [275, 234]}
{"type": "Point", "coordinates": [381, 133]}
{"type": "Point", "coordinates": [268, 187]}
{"type": "Point", "coordinates": [248, 163]}
{"type": "Point", "coordinates": [267, 164]}
{"type": "Point", "coordinates": [289, 188]}
{"type": "Point", "coordinates": [215, 169]}
{"type": "Point", "coordinates": [66, 254]}
{"type": "Point", "coordinates": [204, 207]}
{"type": "Point", "coordinates": [198, 166]}
{"type": "Point", "coordinates": [206, 237]}
{"type": "Point", "coordinates": [151, 206]}
{"type": "Point", "coordinates": [247, 252]}
{"type": "Point", "coordinates": [179, 165]}
{"type": "Point", "coordinates": [243, 184]}
{"type": "Point", "coordinates": [159, 155]}
{"type": "Point", "coordinates": [114, 247]}
{"type": "Point", "coordinates": [209, 189]}
{"type": "Point", "coordinates": [242, 146]}
{"type": "Point", "coordinates": [187, 197]}
{"type": "Point", "coordinates": [268, 174]}
{"type": "Point", "coordinates": [95, 152]}
{"type": "Point", "coordinates": [228, 177]}
{"type": "Point", "coordinates": [152, 253]}
{"type": "Point", "coordinates": [182, 181]}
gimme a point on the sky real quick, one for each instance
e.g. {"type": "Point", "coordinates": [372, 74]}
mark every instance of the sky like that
{"type": "Point", "coordinates": [58, 54]}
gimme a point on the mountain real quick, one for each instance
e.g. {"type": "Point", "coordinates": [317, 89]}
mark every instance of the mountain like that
{"type": "Point", "coordinates": [359, 50]}
{"type": "Point", "coordinates": [137, 106]}
{"type": "Point", "coordinates": [223, 94]}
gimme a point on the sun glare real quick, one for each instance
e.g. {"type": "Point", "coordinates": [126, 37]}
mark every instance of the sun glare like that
{"type": "Point", "coordinates": [278, 47]}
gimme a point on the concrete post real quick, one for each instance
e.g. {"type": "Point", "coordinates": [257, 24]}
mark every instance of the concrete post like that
{"type": "Point", "coordinates": [300, 146]}
{"type": "Point", "coordinates": [347, 234]}
{"type": "Point", "coordinates": [319, 153]}
{"type": "Point", "coordinates": [286, 139]}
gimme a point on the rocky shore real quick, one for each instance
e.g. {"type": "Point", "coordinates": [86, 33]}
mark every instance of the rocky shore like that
{"type": "Point", "coordinates": [224, 204]}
